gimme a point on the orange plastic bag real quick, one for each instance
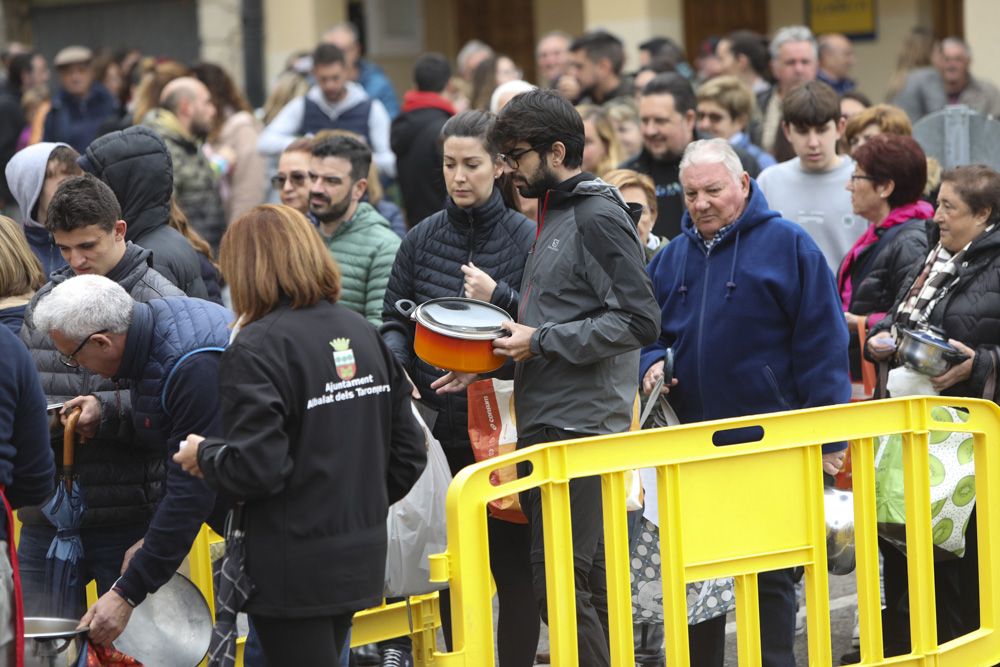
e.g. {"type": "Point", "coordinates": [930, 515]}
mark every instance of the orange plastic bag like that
{"type": "Point", "coordinates": [493, 431]}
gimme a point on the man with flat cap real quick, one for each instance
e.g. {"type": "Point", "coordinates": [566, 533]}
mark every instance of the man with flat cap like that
{"type": "Point", "coordinates": [82, 104]}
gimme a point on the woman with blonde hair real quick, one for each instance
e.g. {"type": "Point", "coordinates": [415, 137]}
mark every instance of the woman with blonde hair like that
{"type": "Point", "coordinates": [601, 150]}
{"type": "Point", "coordinates": [20, 274]}
{"type": "Point", "coordinates": [638, 189]}
{"type": "Point", "coordinates": [319, 440]}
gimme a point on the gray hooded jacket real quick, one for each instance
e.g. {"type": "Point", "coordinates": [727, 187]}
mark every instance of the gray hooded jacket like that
{"type": "Point", "coordinates": [25, 176]}
{"type": "Point", "coordinates": [586, 292]}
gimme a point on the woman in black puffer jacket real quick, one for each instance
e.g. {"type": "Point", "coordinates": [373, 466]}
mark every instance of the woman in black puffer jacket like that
{"type": "Point", "coordinates": [888, 179]}
{"type": "Point", "coordinates": [475, 247]}
{"type": "Point", "coordinates": [956, 289]}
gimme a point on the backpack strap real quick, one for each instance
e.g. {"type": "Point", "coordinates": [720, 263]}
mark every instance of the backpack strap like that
{"type": "Point", "coordinates": [170, 375]}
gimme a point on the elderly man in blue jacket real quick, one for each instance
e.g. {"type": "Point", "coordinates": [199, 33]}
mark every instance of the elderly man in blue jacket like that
{"type": "Point", "coordinates": [168, 351]}
{"type": "Point", "coordinates": [750, 309]}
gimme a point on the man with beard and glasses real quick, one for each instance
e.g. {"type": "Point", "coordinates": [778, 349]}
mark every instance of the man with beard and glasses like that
{"type": "Point", "coordinates": [183, 120]}
{"type": "Point", "coordinates": [586, 308]}
{"type": "Point", "coordinates": [360, 239]}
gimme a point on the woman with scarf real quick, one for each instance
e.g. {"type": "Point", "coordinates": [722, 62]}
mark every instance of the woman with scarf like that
{"type": "Point", "coordinates": [889, 176]}
{"type": "Point", "coordinates": [956, 289]}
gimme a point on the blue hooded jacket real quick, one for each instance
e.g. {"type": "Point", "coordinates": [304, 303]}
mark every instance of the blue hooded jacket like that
{"type": "Point", "coordinates": [755, 323]}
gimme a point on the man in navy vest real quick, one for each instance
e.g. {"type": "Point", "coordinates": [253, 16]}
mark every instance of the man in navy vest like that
{"type": "Point", "coordinates": [167, 351]}
{"type": "Point", "coordinates": [333, 102]}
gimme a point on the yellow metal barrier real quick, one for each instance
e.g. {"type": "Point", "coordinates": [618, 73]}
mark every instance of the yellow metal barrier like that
{"type": "Point", "coordinates": [417, 617]}
{"type": "Point", "coordinates": [733, 511]}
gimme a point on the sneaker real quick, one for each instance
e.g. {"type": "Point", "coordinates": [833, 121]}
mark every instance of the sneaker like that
{"type": "Point", "coordinates": [366, 655]}
{"type": "Point", "coordinates": [394, 657]}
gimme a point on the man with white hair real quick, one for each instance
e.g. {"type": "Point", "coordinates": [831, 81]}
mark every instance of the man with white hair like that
{"type": "Point", "coordinates": [930, 89]}
{"type": "Point", "coordinates": [739, 266]}
{"type": "Point", "coordinates": [168, 352]}
{"type": "Point", "coordinates": [794, 60]}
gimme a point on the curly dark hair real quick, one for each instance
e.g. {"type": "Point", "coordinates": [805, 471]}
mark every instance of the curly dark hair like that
{"type": "Point", "coordinates": [540, 117]}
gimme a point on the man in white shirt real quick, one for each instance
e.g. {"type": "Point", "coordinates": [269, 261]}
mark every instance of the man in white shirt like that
{"type": "Point", "coordinates": [810, 189]}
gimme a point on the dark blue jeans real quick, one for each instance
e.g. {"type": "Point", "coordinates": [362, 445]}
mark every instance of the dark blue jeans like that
{"type": "Point", "coordinates": [103, 551]}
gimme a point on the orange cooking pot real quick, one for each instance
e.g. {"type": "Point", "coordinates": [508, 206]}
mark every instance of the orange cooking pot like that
{"type": "Point", "coordinates": [455, 333]}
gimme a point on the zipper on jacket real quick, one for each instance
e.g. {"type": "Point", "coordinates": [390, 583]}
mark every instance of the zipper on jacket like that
{"type": "Point", "coordinates": [531, 257]}
{"type": "Point", "coordinates": [701, 328]}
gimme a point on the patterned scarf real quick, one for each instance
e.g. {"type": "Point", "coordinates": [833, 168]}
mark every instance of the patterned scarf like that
{"type": "Point", "coordinates": [940, 273]}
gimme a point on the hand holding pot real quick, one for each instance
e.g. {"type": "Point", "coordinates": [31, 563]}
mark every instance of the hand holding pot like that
{"type": "Point", "coordinates": [517, 346]}
{"type": "Point", "coordinates": [107, 618]}
{"type": "Point", "coordinates": [958, 372]}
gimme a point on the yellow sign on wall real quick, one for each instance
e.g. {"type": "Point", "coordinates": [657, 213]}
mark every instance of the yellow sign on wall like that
{"type": "Point", "coordinates": [851, 17]}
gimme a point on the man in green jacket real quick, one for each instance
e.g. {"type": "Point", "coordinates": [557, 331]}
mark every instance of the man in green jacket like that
{"type": "Point", "coordinates": [359, 239]}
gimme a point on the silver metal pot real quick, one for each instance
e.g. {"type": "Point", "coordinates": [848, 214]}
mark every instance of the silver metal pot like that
{"type": "Point", "coordinates": [52, 642]}
{"type": "Point", "coordinates": [171, 628]}
{"type": "Point", "coordinates": [839, 507]}
{"type": "Point", "coordinates": [927, 351]}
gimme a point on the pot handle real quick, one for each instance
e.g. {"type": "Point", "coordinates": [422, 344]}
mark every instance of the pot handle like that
{"type": "Point", "coordinates": [955, 357]}
{"type": "Point", "coordinates": [406, 307]}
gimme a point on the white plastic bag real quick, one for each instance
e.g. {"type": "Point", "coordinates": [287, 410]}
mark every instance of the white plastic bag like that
{"type": "Point", "coordinates": [416, 526]}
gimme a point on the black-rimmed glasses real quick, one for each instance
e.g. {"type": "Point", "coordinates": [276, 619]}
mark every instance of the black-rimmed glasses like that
{"type": "Point", "coordinates": [511, 159]}
{"type": "Point", "coordinates": [861, 177]}
{"type": "Point", "coordinates": [70, 360]}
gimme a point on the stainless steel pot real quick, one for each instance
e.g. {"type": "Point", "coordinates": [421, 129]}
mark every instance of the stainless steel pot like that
{"type": "Point", "coordinates": [927, 351]}
{"type": "Point", "coordinates": [171, 628]}
{"type": "Point", "coordinates": [52, 642]}
{"type": "Point", "coordinates": [839, 507]}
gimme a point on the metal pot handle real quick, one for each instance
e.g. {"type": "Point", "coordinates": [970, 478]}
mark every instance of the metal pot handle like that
{"type": "Point", "coordinates": [955, 357]}
{"type": "Point", "coordinates": [406, 308]}
{"type": "Point", "coordinates": [51, 648]}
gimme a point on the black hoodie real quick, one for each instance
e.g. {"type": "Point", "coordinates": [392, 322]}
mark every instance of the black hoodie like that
{"type": "Point", "coordinates": [136, 165]}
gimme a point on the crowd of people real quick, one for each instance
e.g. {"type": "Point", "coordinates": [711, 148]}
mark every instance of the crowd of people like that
{"type": "Point", "coordinates": [751, 215]}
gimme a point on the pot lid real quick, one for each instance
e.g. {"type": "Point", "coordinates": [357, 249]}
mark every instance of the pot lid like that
{"type": "Point", "coordinates": [462, 318]}
{"type": "Point", "coordinates": [930, 338]}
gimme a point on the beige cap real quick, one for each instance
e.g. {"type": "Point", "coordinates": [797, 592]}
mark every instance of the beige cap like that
{"type": "Point", "coordinates": [73, 54]}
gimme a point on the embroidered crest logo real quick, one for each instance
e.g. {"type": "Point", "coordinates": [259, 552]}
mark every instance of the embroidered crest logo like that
{"type": "Point", "coordinates": [343, 357]}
